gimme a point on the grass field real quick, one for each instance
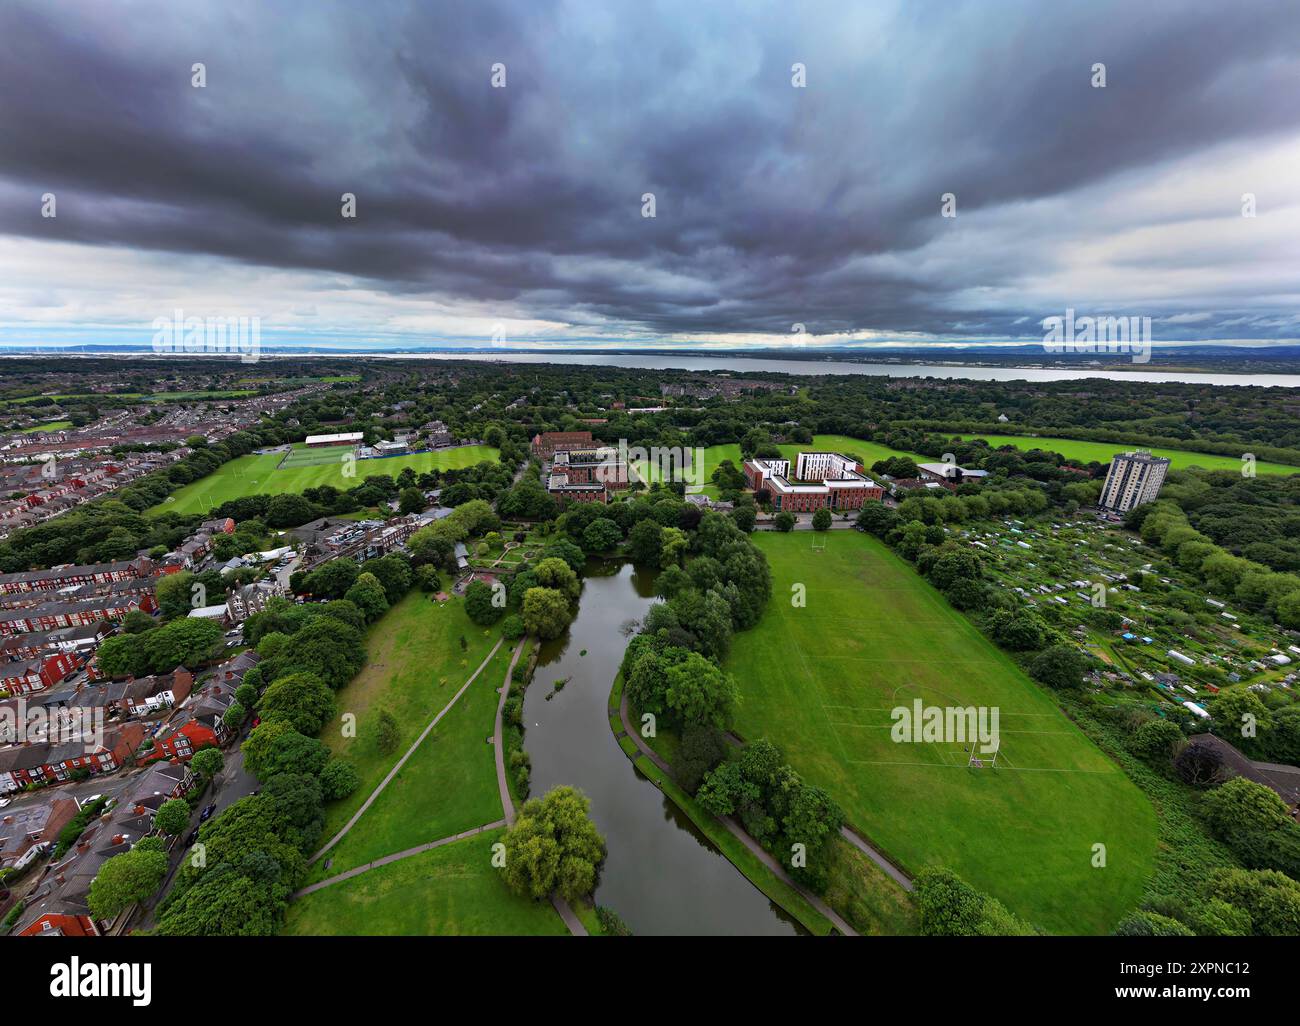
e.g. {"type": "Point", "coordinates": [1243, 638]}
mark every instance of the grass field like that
{"type": "Point", "coordinates": [453, 890]}
{"type": "Point", "coordinates": [449, 785]}
{"type": "Point", "coordinates": [821, 680]}
{"type": "Point", "coordinates": [52, 425]}
{"type": "Point", "coordinates": [257, 475]}
{"type": "Point", "coordinates": [1103, 452]}
{"type": "Point", "coordinates": [870, 452]}
{"type": "Point", "coordinates": [415, 664]}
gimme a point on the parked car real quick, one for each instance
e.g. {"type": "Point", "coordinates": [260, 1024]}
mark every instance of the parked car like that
{"type": "Point", "coordinates": [207, 812]}
{"type": "Point", "coordinates": [194, 836]}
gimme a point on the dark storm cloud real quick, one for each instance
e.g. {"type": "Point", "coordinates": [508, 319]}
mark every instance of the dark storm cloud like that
{"type": "Point", "coordinates": [774, 204]}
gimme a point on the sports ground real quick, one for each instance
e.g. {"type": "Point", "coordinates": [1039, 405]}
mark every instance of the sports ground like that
{"type": "Point", "coordinates": [308, 468]}
{"type": "Point", "coordinates": [821, 680]}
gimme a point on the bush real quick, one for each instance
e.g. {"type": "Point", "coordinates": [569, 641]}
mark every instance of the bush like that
{"type": "Point", "coordinates": [338, 779]}
{"type": "Point", "coordinates": [512, 627]}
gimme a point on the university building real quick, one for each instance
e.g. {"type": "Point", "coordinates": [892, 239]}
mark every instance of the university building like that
{"type": "Point", "coordinates": [821, 480]}
{"type": "Point", "coordinates": [1133, 478]}
{"type": "Point", "coordinates": [587, 475]}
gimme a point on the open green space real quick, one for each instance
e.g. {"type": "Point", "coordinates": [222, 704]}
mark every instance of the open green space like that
{"type": "Point", "coordinates": [258, 475]}
{"type": "Point", "coordinates": [52, 425]}
{"type": "Point", "coordinates": [452, 890]}
{"type": "Point", "coordinates": [449, 784]}
{"type": "Point", "coordinates": [821, 680]}
{"type": "Point", "coordinates": [415, 663]}
{"type": "Point", "coordinates": [1086, 452]}
{"type": "Point", "coordinates": [870, 452]}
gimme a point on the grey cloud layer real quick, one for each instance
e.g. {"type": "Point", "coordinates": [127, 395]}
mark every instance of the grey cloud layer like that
{"type": "Point", "coordinates": [775, 204]}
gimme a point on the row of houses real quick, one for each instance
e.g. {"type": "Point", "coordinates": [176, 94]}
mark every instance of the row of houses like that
{"type": "Point", "coordinates": [57, 905]}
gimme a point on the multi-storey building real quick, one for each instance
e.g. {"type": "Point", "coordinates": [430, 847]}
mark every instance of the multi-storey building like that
{"type": "Point", "coordinates": [821, 480]}
{"type": "Point", "coordinates": [1133, 478]}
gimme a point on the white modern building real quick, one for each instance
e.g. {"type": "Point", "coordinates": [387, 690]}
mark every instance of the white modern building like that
{"type": "Point", "coordinates": [1133, 478]}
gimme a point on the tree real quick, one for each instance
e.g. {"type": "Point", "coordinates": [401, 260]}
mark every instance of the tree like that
{"type": "Point", "coordinates": [702, 749]}
{"type": "Point", "coordinates": [1241, 806]}
{"type": "Point", "coordinates": [784, 521]}
{"type": "Point", "coordinates": [554, 847]}
{"type": "Point", "coordinates": [333, 579]}
{"type": "Point", "coordinates": [512, 627]}
{"type": "Point", "coordinates": [556, 573]}
{"type": "Point", "coordinates": [122, 655]}
{"type": "Point", "coordinates": [481, 605]}
{"type": "Point", "coordinates": [326, 647]}
{"type": "Point", "coordinates": [700, 694]}
{"type": "Point", "coordinates": [822, 519]}
{"type": "Point", "coordinates": [276, 747]}
{"type": "Point", "coordinates": [394, 573]}
{"type": "Point", "coordinates": [950, 907]}
{"type": "Point", "coordinates": [233, 717]}
{"type": "Point", "coordinates": [1142, 923]}
{"type": "Point", "coordinates": [387, 734]}
{"type": "Point", "coordinates": [1272, 899]}
{"type": "Point", "coordinates": [564, 549]}
{"type": "Point", "coordinates": [876, 518]}
{"type": "Point", "coordinates": [546, 612]}
{"type": "Point", "coordinates": [174, 595]}
{"type": "Point", "coordinates": [411, 501]}
{"type": "Point", "coordinates": [208, 762]}
{"type": "Point", "coordinates": [186, 642]}
{"type": "Point", "coordinates": [601, 535]}
{"type": "Point", "coordinates": [1157, 742]}
{"type": "Point", "coordinates": [125, 879]}
{"type": "Point", "coordinates": [1019, 630]}
{"type": "Point", "coordinates": [289, 511]}
{"type": "Point", "coordinates": [1061, 666]}
{"type": "Point", "coordinates": [339, 779]}
{"type": "Point", "coordinates": [646, 542]}
{"type": "Point", "coordinates": [745, 516]}
{"type": "Point", "coordinates": [302, 700]}
{"type": "Point", "coordinates": [172, 817]}
{"type": "Point", "coordinates": [367, 594]}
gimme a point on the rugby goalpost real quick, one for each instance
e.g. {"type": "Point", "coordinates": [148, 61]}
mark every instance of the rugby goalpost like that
{"type": "Point", "coordinates": [984, 760]}
{"type": "Point", "coordinates": [819, 541]}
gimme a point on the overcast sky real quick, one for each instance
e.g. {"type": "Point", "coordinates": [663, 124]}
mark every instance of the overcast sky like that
{"type": "Point", "coordinates": [519, 210]}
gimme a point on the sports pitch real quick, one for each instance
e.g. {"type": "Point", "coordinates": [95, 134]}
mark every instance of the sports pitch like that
{"type": "Point", "coordinates": [821, 681]}
{"type": "Point", "coordinates": [263, 475]}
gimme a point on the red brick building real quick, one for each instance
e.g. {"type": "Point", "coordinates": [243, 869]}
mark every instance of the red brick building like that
{"type": "Point", "coordinates": [821, 481]}
{"type": "Point", "coordinates": [549, 442]}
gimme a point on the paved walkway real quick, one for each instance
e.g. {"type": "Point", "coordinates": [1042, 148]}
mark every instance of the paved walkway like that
{"type": "Point", "coordinates": [397, 857]}
{"type": "Point", "coordinates": [857, 840]}
{"type": "Point", "coordinates": [402, 761]}
{"type": "Point", "coordinates": [730, 823]}
{"type": "Point", "coordinates": [507, 803]}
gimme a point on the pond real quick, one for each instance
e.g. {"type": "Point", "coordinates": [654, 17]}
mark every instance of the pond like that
{"type": "Point", "coordinates": [663, 876]}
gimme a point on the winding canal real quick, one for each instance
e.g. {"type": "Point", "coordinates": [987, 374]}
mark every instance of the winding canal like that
{"type": "Point", "coordinates": [662, 875]}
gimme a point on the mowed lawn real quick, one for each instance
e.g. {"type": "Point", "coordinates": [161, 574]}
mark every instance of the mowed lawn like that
{"type": "Point", "coordinates": [449, 784]}
{"type": "Point", "coordinates": [821, 681]}
{"type": "Point", "coordinates": [415, 665]}
{"type": "Point", "coordinates": [257, 475]}
{"type": "Point", "coordinates": [451, 891]}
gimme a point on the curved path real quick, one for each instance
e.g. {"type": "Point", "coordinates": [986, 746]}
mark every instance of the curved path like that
{"type": "Point", "coordinates": [409, 752]}
{"type": "Point", "coordinates": [396, 857]}
{"type": "Point", "coordinates": [854, 838]}
{"type": "Point", "coordinates": [741, 834]}
{"type": "Point", "coordinates": [562, 907]}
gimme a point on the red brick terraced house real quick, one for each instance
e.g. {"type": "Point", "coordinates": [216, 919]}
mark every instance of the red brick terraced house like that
{"type": "Point", "coordinates": [37, 674]}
